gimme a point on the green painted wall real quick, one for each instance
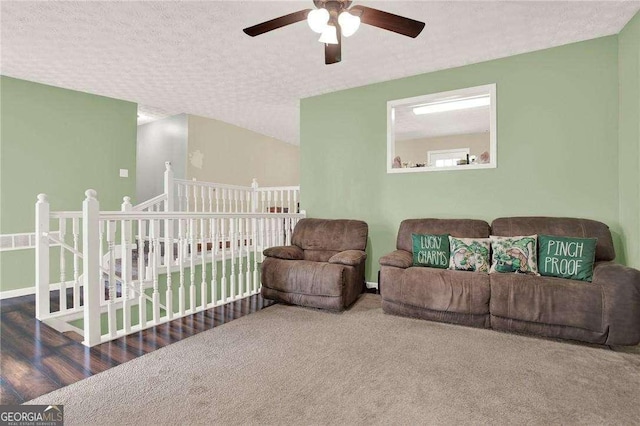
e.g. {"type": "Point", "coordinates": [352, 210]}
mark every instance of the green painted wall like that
{"type": "Point", "coordinates": [59, 142]}
{"type": "Point", "coordinates": [557, 147]}
{"type": "Point", "coordinates": [629, 138]}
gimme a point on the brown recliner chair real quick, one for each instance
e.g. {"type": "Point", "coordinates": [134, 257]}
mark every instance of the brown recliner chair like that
{"type": "Point", "coordinates": [323, 268]}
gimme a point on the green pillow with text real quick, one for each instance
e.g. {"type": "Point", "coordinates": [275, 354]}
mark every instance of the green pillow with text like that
{"type": "Point", "coordinates": [567, 257]}
{"type": "Point", "coordinates": [431, 250]}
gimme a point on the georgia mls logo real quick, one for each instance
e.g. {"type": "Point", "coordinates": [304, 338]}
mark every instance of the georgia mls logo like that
{"type": "Point", "coordinates": [31, 415]}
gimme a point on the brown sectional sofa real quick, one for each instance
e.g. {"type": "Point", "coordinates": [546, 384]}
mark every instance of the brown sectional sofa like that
{"type": "Point", "coordinates": [605, 311]}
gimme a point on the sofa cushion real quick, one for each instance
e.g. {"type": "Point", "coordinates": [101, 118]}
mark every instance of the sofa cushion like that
{"type": "Point", "coordinates": [319, 255]}
{"type": "Point", "coordinates": [469, 254]}
{"type": "Point", "coordinates": [462, 228]}
{"type": "Point", "coordinates": [437, 289]}
{"type": "Point", "coordinates": [398, 258]}
{"type": "Point", "coordinates": [285, 252]}
{"type": "Point", "coordinates": [566, 257]}
{"type": "Point", "coordinates": [303, 277]}
{"type": "Point", "coordinates": [560, 226]}
{"type": "Point", "coordinates": [547, 300]}
{"type": "Point", "coordinates": [333, 235]}
{"type": "Point", "coordinates": [514, 254]}
{"type": "Point", "coordinates": [431, 250]}
{"type": "Point", "coordinates": [349, 257]}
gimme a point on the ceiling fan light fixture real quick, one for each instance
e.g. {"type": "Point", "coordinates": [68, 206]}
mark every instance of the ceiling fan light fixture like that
{"type": "Point", "coordinates": [348, 23]}
{"type": "Point", "coordinates": [318, 20]}
{"type": "Point", "coordinates": [329, 36]}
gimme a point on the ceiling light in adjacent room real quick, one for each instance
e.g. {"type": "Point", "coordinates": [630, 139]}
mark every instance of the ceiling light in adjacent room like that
{"type": "Point", "coordinates": [348, 23]}
{"type": "Point", "coordinates": [329, 36]}
{"type": "Point", "coordinates": [317, 20]}
{"type": "Point", "coordinates": [453, 105]}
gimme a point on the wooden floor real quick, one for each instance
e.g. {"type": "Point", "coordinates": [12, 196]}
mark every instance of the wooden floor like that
{"type": "Point", "coordinates": [36, 359]}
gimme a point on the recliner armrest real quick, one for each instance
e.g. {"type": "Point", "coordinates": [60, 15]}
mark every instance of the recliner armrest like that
{"type": "Point", "coordinates": [349, 257]}
{"type": "Point", "coordinates": [621, 294]}
{"type": "Point", "coordinates": [285, 252]}
{"type": "Point", "coordinates": [398, 258]}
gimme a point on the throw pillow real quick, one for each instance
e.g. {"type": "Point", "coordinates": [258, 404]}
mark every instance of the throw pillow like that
{"type": "Point", "coordinates": [567, 257]}
{"type": "Point", "coordinates": [431, 250]}
{"type": "Point", "coordinates": [514, 254]}
{"type": "Point", "coordinates": [469, 254]}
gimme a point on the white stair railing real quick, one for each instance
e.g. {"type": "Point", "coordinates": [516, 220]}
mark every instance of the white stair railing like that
{"type": "Point", "coordinates": [143, 268]}
{"type": "Point", "coordinates": [197, 196]}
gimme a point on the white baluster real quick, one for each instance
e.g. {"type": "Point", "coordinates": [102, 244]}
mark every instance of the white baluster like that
{"type": "Point", "coordinates": [295, 201]}
{"type": "Point", "coordinates": [168, 263]}
{"type": "Point", "coordinates": [203, 270]}
{"type": "Point", "coordinates": [288, 228]}
{"type": "Point", "coordinates": [240, 242]}
{"type": "Point", "coordinates": [214, 269]}
{"type": "Point", "coordinates": [223, 240]}
{"type": "Point", "coordinates": [182, 253]}
{"type": "Point", "coordinates": [225, 194]}
{"type": "Point", "coordinates": [246, 240]}
{"type": "Point", "coordinates": [180, 201]}
{"type": "Point", "coordinates": [126, 259]}
{"type": "Point", "coordinates": [280, 232]}
{"type": "Point", "coordinates": [232, 243]}
{"type": "Point", "coordinates": [263, 236]}
{"type": "Point", "coordinates": [192, 264]}
{"type": "Point", "coordinates": [102, 266]}
{"type": "Point", "coordinates": [210, 194]}
{"type": "Point", "coordinates": [154, 259]}
{"type": "Point", "coordinates": [76, 262]}
{"type": "Point", "coordinates": [111, 244]}
{"type": "Point", "coordinates": [62, 230]}
{"type": "Point", "coordinates": [142, 301]}
{"type": "Point", "coordinates": [254, 242]}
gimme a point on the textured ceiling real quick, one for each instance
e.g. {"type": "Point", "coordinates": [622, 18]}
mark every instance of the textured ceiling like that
{"type": "Point", "coordinates": [192, 57]}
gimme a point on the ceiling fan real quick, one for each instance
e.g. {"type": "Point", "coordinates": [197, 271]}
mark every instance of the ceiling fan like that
{"type": "Point", "coordinates": [334, 19]}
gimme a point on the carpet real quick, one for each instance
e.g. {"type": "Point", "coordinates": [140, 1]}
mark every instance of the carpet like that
{"type": "Point", "coordinates": [293, 365]}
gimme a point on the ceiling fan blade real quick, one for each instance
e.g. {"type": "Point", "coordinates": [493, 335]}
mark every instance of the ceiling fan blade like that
{"type": "Point", "coordinates": [276, 23]}
{"type": "Point", "coordinates": [389, 21]}
{"type": "Point", "coordinates": [333, 52]}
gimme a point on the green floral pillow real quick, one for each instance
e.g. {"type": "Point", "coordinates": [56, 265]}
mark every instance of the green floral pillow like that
{"type": "Point", "coordinates": [469, 254]}
{"type": "Point", "coordinates": [514, 254]}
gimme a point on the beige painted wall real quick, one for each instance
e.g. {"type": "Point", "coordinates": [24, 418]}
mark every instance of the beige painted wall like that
{"type": "Point", "coordinates": [224, 153]}
{"type": "Point", "coordinates": [415, 150]}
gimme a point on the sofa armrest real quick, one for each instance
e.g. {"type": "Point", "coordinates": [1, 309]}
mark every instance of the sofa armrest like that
{"type": "Point", "coordinates": [621, 294]}
{"type": "Point", "coordinates": [398, 258]}
{"type": "Point", "coordinates": [285, 252]}
{"type": "Point", "coordinates": [349, 257]}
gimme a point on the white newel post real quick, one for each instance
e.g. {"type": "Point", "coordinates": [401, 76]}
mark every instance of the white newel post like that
{"type": "Point", "coordinates": [126, 232]}
{"type": "Point", "coordinates": [168, 224]}
{"type": "Point", "coordinates": [42, 258]}
{"type": "Point", "coordinates": [168, 186]}
{"type": "Point", "coordinates": [254, 195]}
{"type": "Point", "coordinates": [91, 268]}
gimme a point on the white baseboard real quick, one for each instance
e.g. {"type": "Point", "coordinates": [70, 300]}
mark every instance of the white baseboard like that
{"type": "Point", "coordinates": [17, 293]}
{"type": "Point", "coordinates": [8, 294]}
{"type": "Point", "coordinates": [371, 284]}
